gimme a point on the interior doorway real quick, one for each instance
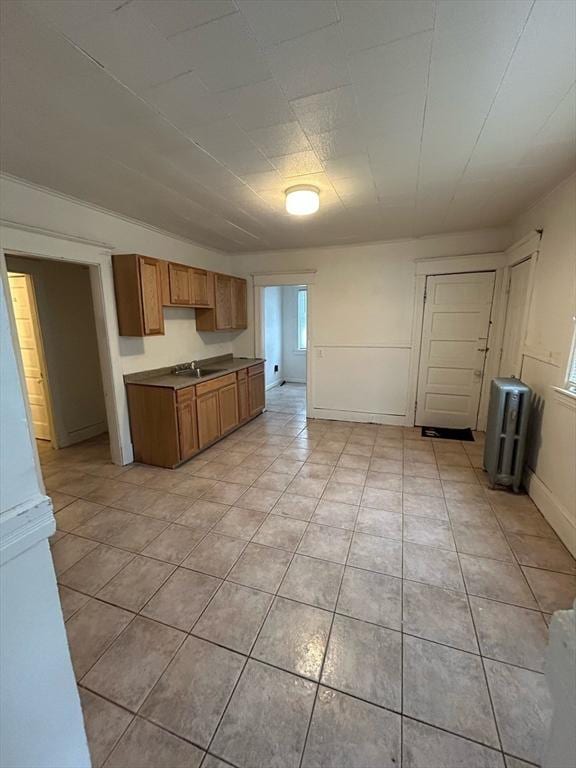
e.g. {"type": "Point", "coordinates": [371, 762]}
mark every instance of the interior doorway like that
{"type": "Point", "coordinates": [284, 311]}
{"type": "Point", "coordinates": [32, 352]}
{"type": "Point", "coordinates": [455, 334]}
{"type": "Point", "coordinates": [56, 332]}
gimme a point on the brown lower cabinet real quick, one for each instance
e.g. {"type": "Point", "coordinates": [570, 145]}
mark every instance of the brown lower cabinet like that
{"type": "Point", "coordinates": [170, 426]}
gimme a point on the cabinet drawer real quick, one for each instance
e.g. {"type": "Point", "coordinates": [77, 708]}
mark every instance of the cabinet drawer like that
{"type": "Point", "coordinates": [256, 369]}
{"type": "Point", "coordinates": [214, 384]}
{"type": "Point", "coordinates": [184, 395]}
{"type": "Point", "coordinates": [242, 374]}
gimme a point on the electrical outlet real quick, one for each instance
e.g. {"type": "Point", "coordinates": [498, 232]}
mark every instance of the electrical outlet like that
{"type": "Point", "coordinates": [275, 369]}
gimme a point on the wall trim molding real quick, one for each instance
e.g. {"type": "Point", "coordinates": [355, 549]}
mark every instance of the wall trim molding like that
{"type": "Point", "coordinates": [392, 419]}
{"type": "Point", "coordinates": [25, 525]}
{"type": "Point", "coordinates": [551, 508]}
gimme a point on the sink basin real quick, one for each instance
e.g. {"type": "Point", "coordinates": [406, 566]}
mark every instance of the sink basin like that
{"type": "Point", "coordinates": [197, 373]}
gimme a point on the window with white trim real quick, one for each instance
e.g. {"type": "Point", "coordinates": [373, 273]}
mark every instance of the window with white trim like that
{"type": "Point", "coordinates": [571, 373]}
{"type": "Point", "coordinates": [302, 319]}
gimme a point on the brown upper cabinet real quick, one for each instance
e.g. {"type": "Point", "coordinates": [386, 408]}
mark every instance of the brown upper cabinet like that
{"type": "Point", "coordinates": [138, 287]}
{"type": "Point", "coordinates": [229, 312]}
{"type": "Point", "coordinates": [145, 285]}
{"type": "Point", "coordinates": [179, 284]}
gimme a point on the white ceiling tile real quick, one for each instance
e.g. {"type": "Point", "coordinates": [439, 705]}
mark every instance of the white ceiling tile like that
{"type": "Point", "coordinates": [246, 161]}
{"type": "Point", "coordinates": [258, 105]}
{"type": "Point", "coordinates": [367, 23]}
{"type": "Point", "coordinates": [310, 64]}
{"type": "Point", "coordinates": [185, 101]}
{"type": "Point", "coordinates": [172, 16]}
{"type": "Point", "coordinates": [259, 182]}
{"type": "Point", "coordinates": [224, 53]}
{"type": "Point", "coordinates": [65, 15]}
{"type": "Point", "coordinates": [222, 136]}
{"type": "Point", "coordinates": [326, 111]}
{"type": "Point", "coordinates": [391, 69]}
{"type": "Point", "coordinates": [348, 167]}
{"type": "Point", "coordinates": [129, 47]}
{"type": "Point", "coordinates": [353, 192]}
{"type": "Point", "coordinates": [345, 140]}
{"type": "Point", "coordinates": [275, 22]}
{"type": "Point", "coordinates": [282, 139]}
{"type": "Point", "coordinates": [297, 164]}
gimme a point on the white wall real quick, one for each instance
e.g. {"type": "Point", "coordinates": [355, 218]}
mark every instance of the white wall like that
{"type": "Point", "coordinates": [66, 313]}
{"type": "Point", "coordinates": [30, 206]}
{"type": "Point", "coordinates": [552, 456]}
{"type": "Point", "coordinates": [293, 359]}
{"type": "Point", "coordinates": [40, 716]}
{"type": "Point", "coordinates": [273, 335]}
{"type": "Point", "coordinates": [361, 308]}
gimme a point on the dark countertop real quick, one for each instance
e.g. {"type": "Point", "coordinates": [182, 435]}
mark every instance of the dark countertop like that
{"type": "Point", "coordinates": [162, 377]}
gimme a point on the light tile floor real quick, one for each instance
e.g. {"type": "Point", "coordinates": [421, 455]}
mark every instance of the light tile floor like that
{"type": "Point", "coordinates": [306, 594]}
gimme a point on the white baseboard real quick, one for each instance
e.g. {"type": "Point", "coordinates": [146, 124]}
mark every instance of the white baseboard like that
{"type": "Point", "coordinates": [273, 384]}
{"type": "Point", "coordinates": [553, 511]}
{"type": "Point", "coordinates": [295, 381]}
{"type": "Point", "coordinates": [78, 436]}
{"type": "Point", "coordinates": [359, 416]}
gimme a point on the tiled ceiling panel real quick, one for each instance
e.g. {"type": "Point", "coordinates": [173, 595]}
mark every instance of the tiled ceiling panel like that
{"type": "Point", "coordinates": [412, 117]}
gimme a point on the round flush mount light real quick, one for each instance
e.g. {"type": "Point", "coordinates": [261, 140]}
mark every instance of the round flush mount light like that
{"type": "Point", "coordinates": [302, 200]}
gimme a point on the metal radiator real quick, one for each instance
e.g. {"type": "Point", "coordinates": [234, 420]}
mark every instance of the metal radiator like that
{"type": "Point", "coordinates": [506, 432]}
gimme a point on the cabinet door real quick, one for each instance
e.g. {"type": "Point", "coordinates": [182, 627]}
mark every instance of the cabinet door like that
{"type": "Point", "coordinates": [228, 403]}
{"type": "Point", "coordinates": [179, 284]}
{"type": "Point", "coordinates": [199, 288]}
{"type": "Point", "coordinates": [151, 292]}
{"type": "Point", "coordinates": [223, 301]}
{"type": "Point", "coordinates": [239, 314]}
{"type": "Point", "coordinates": [187, 431]}
{"type": "Point", "coordinates": [243, 399]}
{"type": "Point", "coordinates": [256, 392]}
{"type": "Point", "coordinates": [208, 411]}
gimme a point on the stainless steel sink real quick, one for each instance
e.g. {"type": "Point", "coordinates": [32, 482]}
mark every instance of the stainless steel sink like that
{"type": "Point", "coordinates": [197, 373]}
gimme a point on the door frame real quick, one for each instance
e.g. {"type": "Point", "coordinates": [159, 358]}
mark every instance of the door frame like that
{"type": "Point", "coordinates": [37, 329]}
{"type": "Point", "coordinates": [525, 249]}
{"type": "Point", "coordinates": [482, 262]}
{"type": "Point", "coordinates": [45, 244]}
{"type": "Point", "coordinates": [263, 280]}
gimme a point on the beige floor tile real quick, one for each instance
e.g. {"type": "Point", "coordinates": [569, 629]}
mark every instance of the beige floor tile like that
{"type": "Point", "coordinates": [76, 513]}
{"type": "Point", "coordinates": [202, 516]}
{"type": "Point", "coordinates": [182, 598]}
{"type": "Point", "coordinates": [215, 555]}
{"type": "Point", "coordinates": [240, 523]}
{"type": "Point", "coordinates": [69, 550]}
{"type": "Point", "coordinates": [173, 544]}
{"type": "Point", "coordinates": [144, 745]}
{"type": "Point", "coordinates": [554, 591]}
{"type": "Point", "coordinates": [104, 722]}
{"type": "Point", "coordinates": [191, 695]}
{"type": "Point", "coordinates": [129, 669]}
{"type": "Point", "coordinates": [91, 630]}
{"type": "Point", "coordinates": [91, 573]}
{"type": "Point", "coordinates": [136, 583]}
{"type": "Point", "coordinates": [261, 567]}
{"type": "Point", "coordinates": [71, 601]}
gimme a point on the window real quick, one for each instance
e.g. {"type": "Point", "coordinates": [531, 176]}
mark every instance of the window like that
{"type": "Point", "coordinates": [571, 374]}
{"type": "Point", "coordinates": [302, 313]}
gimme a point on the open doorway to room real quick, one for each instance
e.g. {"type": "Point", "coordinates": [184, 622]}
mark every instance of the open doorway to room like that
{"type": "Point", "coordinates": [285, 331]}
{"type": "Point", "coordinates": [56, 332]}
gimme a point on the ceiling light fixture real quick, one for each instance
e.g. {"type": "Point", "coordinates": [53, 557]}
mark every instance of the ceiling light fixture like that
{"type": "Point", "coordinates": [302, 200]}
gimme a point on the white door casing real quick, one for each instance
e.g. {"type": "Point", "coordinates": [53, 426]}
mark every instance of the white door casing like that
{"type": "Point", "coordinates": [455, 330]}
{"type": "Point", "coordinates": [515, 322]}
{"type": "Point", "coordinates": [31, 350]}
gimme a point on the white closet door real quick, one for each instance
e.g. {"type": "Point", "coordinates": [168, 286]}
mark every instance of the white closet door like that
{"type": "Point", "coordinates": [511, 360]}
{"type": "Point", "coordinates": [454, 344]}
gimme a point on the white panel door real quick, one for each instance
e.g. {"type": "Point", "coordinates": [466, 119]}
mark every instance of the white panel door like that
{"type": "Point", "coordinates": [516, 314]}
{"type": "Point", "coordinates": [31, 350]}
{"type": "Point", "coordinates": [455, 333]}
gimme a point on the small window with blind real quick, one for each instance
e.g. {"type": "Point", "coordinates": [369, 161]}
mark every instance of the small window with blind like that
{"type": "Point", "coordinates": [302, 319]}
